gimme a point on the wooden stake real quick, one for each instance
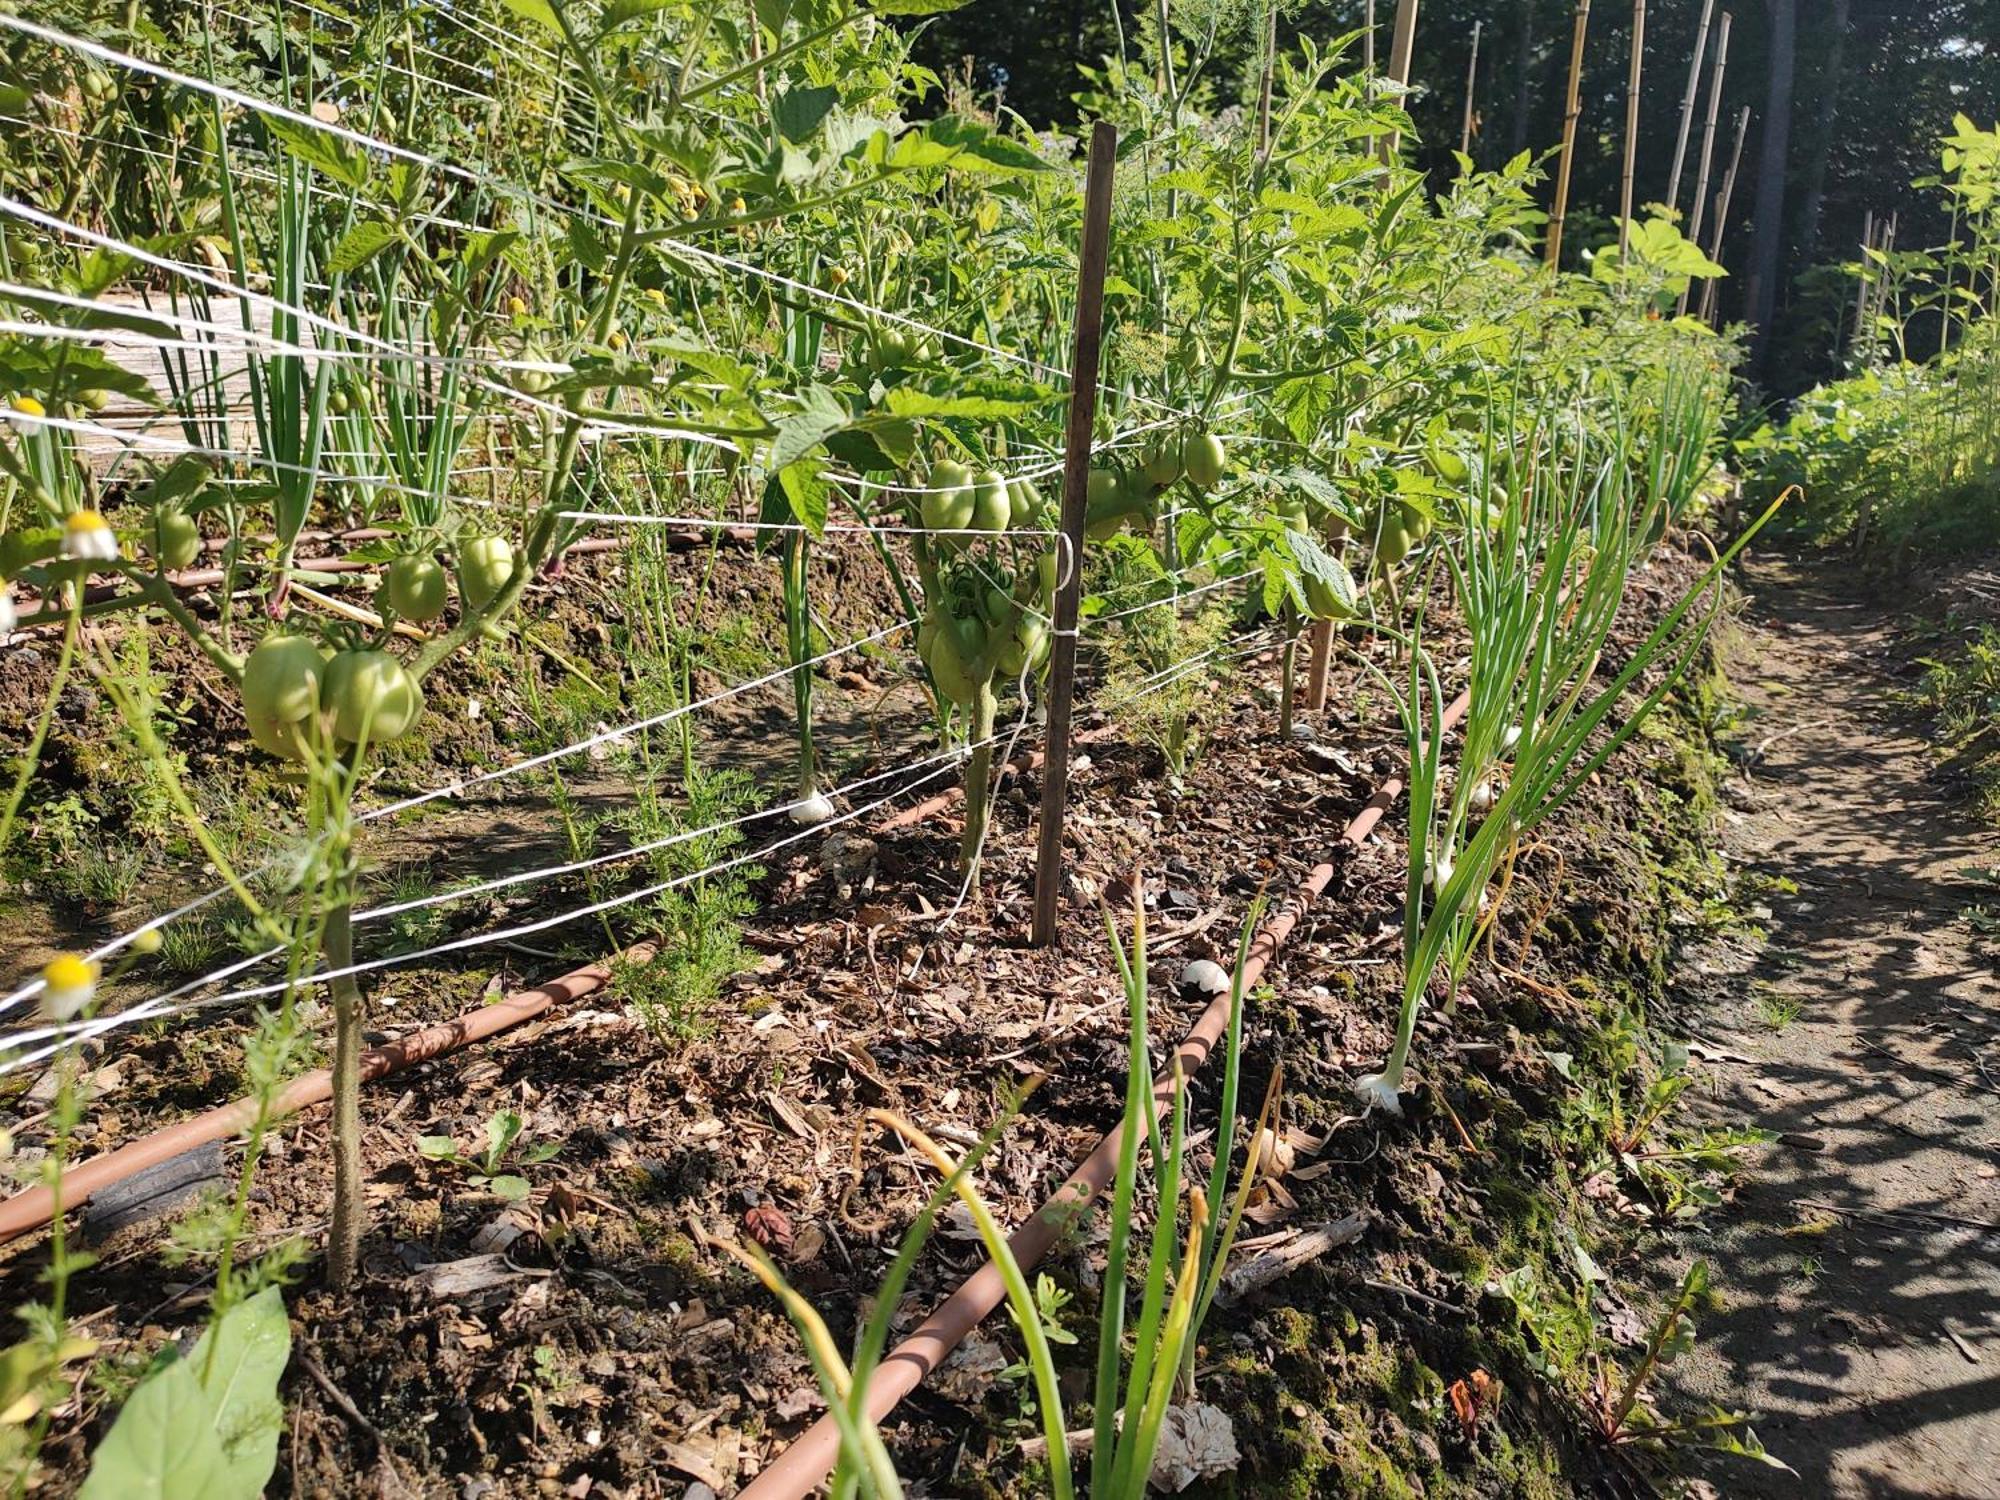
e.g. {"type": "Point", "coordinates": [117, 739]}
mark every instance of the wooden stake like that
{"type": "Point", "coordinates": [1861, 288]}
{"type": "Point", "coordinates": [1401, 44]}
{"type": "Point", "coordinates": [1571, 110]}
{"type": "Point", "coordinates": [1711, 292]}
{"type": "Point", "coordinates": [1687, 104]}
{"type": "Point", "coordinates": [1368, 46]}
{"type": "Point", "coordinates": [1631, 129]}
{"type": "Point", "coordinates": [1092, 257]}
{"type": "Point", "coordinates": [1708, 141]}
{"type": "Point", "coordinates": [1472, 88]}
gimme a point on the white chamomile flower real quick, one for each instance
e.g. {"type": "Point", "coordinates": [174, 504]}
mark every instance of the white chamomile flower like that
{"type": "Point", "coordinates": [69, 983]}
{"type": "Point", "coordinates": [9, 616]}
{"type": "Point", "coordinates": [22, 412]}
{"type": "Point", "coordinates": [88, 537]}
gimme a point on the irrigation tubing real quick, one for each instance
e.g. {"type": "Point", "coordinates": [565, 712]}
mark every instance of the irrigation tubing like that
{"type": "Point", "coordinates": [34, 1207]}
{"type": "Point", "coordinates": [800, 1469]}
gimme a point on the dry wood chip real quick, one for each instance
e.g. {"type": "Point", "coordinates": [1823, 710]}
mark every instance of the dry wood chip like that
{"type": "Point", "coordinates": [1300, 1248]}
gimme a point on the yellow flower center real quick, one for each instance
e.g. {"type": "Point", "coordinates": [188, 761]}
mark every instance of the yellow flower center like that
{"type": "Point", "coordinates": [84, 520]}
{"type": "Point", "coordinates": [69, 972]}
{"type": "Point", "coordinates": [29, 405]}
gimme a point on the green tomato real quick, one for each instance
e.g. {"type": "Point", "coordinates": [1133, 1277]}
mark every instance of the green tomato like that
{"type": "Point", "coordinates": [996, 605]}
{"type": "Point", "coordinates": [1293, 513]}
{"type": "Point", "coordinates": [1028, 503]}
{"type": "Point", "coordinates": [338, 403]}
{"type": "Point", "coordinates": [95, 399]}
{"type": "Point", "coordinates": [485, 563]}
{"type": "Point", "coordinates": [955, 650]}
{"type": "Point", "coordinates": [176, 538]}
{"type": "Point", "coordinates": [1393, 545]}
{"type": "Point", "coordinates": [417, 587]}
{"type": "Point", "coordinates": [1202, 457]}
{"type": "Point", "coordinates": [1046, 572]}
{"type": "Point", "coordinates": [1033, 636]}
{"type": "Point", "coordinates": [282, 679]}
{"type": "Point", "coordinates": [1161, 464]}
{"type": "Point", "coordinates": [1414, 521]}
{"type": "Point", "coordinates": [286, 741]}
{"type": "Point", "coordinates": [371, 696]}
{"type": "Point", "coordinates": [992, 503]}
{"type": "Point", "coordinates": [948, 499]}
{"type": "Point", "coordinates": [1329, 601]}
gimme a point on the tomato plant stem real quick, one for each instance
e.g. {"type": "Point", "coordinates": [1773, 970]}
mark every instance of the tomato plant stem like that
{"type": "Point", "coordinates": [978, 772]}
{"type": "Point", "coordinates": [343, 1251]}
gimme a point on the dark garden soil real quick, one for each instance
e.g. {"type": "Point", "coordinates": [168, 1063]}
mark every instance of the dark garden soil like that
{"type": "Point", "coordinates": [1859, 1019]}
{"type": "Point", "coordinates": [595, 1341]}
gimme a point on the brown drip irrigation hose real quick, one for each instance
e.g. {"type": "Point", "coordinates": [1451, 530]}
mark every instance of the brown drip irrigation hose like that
{"type": "Point", "coordinates": [208, 578]}
{"type": "Point", "coordinates": [31, 1208]}
{"type": "Point", "coordinates": [800, 1468]}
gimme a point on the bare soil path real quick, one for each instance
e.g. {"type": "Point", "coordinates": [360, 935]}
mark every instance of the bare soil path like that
{"type": "Point", "coordinates": [1860, 1256]}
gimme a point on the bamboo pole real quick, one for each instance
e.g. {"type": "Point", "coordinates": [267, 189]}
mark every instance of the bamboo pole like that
{"type": "Point", "coordinates": [1711, 291]}
{"type": "Point", "coordinates": [1708, 139]}
{"type": "Point", "coordinates": [1687, 104]}
{"type": "Point", "coordinates": [1631, 129]}
{"type": "Point", "coordinates": [1572, 108]}
{"type": "Point", "coordinates": [1368, 46]}
{"type": "Point", "coordinates": [1472, 88]}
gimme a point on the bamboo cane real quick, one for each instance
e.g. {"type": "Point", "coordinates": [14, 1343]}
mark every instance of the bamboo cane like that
{"type": "Point", "coordinates": [1368, 46]}
{"type": "Point", "coordinates": [1687, 104]}
{"type": "Point", "coordinates": [1708, 139]}
{"type": "Point", "coordinates": [1710, 292]}
{"type": "Point", "coordinates": [1472, 87]}
{"type": "Point", "coordinates": [1631, 128]}
{"type": "Point", "coordinates": [1571, 110]}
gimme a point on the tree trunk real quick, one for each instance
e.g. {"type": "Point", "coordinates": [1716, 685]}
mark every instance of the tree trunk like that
{"type": "Point", "coordinates": [1823, 128]}
{"type": "Point", "coordinates": [1766, 255]}
{"type": "Point", "coordinates": [1524, 57]}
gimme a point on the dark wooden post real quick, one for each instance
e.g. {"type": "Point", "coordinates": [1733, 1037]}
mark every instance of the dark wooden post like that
{"type": "Point", "coordinates": [1092, 257]}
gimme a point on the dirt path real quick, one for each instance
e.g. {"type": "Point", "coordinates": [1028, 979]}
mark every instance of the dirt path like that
{"type": "Point", "coordinates": [1862, 1317]}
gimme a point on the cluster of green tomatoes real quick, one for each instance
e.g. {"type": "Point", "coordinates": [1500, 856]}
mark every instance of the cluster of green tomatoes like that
{"type": "Point", "coordinates": [294, 685]}
{"type": "Point", "coordinates": [1119, 498]}
{"type": "Point", "coordinates": [974, 627]}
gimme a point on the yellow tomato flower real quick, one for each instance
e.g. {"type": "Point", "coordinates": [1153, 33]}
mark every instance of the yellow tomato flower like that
{"type": "Point", "coordinates": [69, 983]}
{"type": "Point", "coordinates": [87, 537]}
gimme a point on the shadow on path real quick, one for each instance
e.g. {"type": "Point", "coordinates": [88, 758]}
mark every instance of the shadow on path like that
{"type": "Point", "coordinates": [1862, 1324]}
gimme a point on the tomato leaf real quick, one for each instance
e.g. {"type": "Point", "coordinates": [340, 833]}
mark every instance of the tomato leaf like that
{"type": "Point", "coordinates": [360, 245]}
{"type": "Point", "coordinates": [821, 413]}
{"type": "Point", "coordinates": [333, 155]}
{"type": "Point", "coordinates": [798, 112]}
{"type": "Point", "coordinates": [541, 12]}
{"type": "Point", "coordinates": [806, 493]}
